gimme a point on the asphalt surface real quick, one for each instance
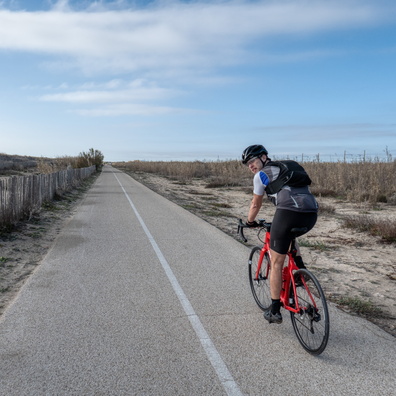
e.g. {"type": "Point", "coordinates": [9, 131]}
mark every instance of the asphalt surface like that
{"type": "Point", "coordinates": [139, 297]}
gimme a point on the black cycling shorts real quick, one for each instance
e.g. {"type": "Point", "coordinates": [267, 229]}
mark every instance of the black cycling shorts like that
{"type": "Point", "coordinates": [284, 220]}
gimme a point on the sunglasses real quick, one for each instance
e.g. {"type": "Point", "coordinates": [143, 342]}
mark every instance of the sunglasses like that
{"type": "Point", "coordinates": [251, 161]}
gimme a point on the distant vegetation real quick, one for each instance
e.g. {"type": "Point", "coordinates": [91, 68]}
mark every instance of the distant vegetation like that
{"type": "Point", "coordinates": [371, 181]}
{"type": "Point", "coordinates": [83, 160]}
{"type": "Point", "coordinates": [28, 183]}
{"type": "Point", "coordinates": [356, 181]}
{"type": "Point", "coordinates": [15, 164]}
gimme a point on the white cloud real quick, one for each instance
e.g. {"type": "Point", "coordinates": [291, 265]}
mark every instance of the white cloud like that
{"type": "Point", "coordinates": [121, 109]}
{"type": "Point", "coordinates": [61, 5]}
{"type": "Point", "coordinates": [115, 97]}
{"type": "Point", "coordinates": [172, 35]}
{"type": "Point", "coordinates": [110, 95]}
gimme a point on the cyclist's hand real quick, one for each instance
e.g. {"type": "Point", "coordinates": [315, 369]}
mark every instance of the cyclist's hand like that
{"type": "Point", "coordinates": [252, 224]}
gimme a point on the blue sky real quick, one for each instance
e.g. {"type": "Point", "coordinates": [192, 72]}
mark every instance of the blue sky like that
{"type": "Point", "coordinates": [198, 80]}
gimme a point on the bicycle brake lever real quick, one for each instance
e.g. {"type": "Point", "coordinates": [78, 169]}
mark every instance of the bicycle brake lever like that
{"type": "Point", "coordinates": [240, 230]}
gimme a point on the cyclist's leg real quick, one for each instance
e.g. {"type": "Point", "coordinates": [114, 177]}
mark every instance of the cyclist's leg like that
{"type": "Point", "coordinates": [284, 220]}
{"type": "Point", "coordinates": [279, 244]}
{"type": "Point", "coordinates": [308, 221]}
{"type": "Point", "coordinates": [277, 261]}
{"type": "Point", "coordinates": [273, 314]}
{"type": "Point", "coordinates": [282, 223]}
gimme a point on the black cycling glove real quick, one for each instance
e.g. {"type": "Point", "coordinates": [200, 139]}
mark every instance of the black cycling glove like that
{"type": "Point", "coordinates": [252, 224]}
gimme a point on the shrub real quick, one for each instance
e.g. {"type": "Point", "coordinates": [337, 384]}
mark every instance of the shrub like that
{"type": "Point", "coordinates": [92, 157]}
{"type": "Point", "coordinates": [384, 228]}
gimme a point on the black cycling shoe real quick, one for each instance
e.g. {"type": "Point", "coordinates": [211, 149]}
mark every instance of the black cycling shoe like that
{"type": "Point", "coordinates": [273, 318]}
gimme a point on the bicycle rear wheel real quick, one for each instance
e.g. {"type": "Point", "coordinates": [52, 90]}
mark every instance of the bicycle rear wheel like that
{"type": "Point", "coordinates": [311, 324]}
{"type": "Point", "coordinates": [260, 284]}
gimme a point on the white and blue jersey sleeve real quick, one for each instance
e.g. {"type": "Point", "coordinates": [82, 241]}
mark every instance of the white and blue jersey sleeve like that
{"type": "Point", "coordinates": [260, 181]}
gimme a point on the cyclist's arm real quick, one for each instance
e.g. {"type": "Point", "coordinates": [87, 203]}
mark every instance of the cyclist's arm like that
{"type": "Point", "coordinates": [255, 207]}
{"type": "Point", "coordinates": [260, 181]}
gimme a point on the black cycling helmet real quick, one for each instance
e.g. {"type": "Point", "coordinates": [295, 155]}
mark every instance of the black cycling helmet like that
{"type": "Point", "coordinates": [254, 151]}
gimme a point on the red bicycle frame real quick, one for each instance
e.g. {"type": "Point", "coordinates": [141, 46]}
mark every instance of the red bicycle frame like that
{"type": "Point", "coordinates": [287, 277]}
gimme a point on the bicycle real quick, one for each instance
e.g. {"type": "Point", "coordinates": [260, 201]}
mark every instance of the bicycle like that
{"type": "Point", "coordinates": [301, 292]}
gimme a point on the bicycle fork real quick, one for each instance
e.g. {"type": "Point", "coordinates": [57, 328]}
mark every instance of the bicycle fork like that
{"type": "Point", "coordinates": [258, 276]}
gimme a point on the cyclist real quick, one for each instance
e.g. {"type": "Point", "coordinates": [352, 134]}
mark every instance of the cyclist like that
{"type": "Point", "coordinates": [286, 185]}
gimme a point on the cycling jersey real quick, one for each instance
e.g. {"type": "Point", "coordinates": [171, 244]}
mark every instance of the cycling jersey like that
{"type": "Point", "coordinates": [297, 199]}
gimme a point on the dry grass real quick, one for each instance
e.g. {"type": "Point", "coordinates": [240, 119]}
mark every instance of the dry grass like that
{"type": "Point", "coordinates": [13, 165]}
{"type": "Point", "coordinates": [357, 182]}
{"type": "Point", "coordinates": [360, 306]}
{"type": "Point", "coordinates": [227, 173]}
{"type": "Point", "coordinates": [364, 181]}
{"type": "Point", "coordinates": [83, 160]}
{"type": "Point", "coordinates": [45, 165]}
{"type": "Point", "coordinates": [386, 229]}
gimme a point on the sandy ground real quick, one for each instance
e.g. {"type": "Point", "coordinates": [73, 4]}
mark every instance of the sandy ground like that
{"type": "Point", "coordinates": [348, 263]}
{"type": "Point", "coordinates": [22, 250]}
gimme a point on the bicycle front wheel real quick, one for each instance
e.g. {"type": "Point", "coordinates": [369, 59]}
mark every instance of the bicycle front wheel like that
{"type": "Point", "coordinates": [259, 280]}
{"type": "Point", "coordinates": [311, 324]}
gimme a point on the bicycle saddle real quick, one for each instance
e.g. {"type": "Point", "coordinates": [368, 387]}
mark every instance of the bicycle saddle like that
{"type": "Point", "coordinates": [298, 231]}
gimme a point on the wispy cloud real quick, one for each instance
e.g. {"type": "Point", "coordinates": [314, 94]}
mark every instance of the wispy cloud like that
{"type": "Point", "coordinates": [111, 91]}
{"type": "Point", "coordinates": [122, 109]}
{"type": "Point", "coordinates": [172, 34]}
{"type": "Point", "coordinates": [115, 97]}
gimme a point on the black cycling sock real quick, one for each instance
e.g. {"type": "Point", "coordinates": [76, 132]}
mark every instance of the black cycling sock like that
{"type": "Point", "coordinates": [276, 306]}
{"type": "Point", "coordinates": [299, 262]}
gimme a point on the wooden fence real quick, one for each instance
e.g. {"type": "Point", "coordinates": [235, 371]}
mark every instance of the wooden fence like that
{"type": "Point", "coordinates": [20, 196]}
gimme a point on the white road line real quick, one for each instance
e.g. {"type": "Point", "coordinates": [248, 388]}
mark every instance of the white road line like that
{"type": "Point", "coordinates": [214, 357]}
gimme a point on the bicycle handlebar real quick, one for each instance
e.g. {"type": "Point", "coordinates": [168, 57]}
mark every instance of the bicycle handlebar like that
{"type": "Point", "coordinates": [241, 226]}
{"type": "Point", "coordinates": [261, 224]}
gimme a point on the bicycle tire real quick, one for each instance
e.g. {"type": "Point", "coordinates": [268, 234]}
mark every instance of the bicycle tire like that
{"type": "Point", "coordinates": [261, 286]}
{"type": "Point", "coordinates": [312, 323]}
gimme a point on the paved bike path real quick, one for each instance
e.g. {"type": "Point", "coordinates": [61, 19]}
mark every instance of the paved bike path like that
{"type": "Point", "coordinates": [138, 296]}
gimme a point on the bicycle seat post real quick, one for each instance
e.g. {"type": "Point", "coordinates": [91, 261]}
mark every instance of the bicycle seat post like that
{"type": "Point", "coordinates": [295, 232]}
{"type": "Point", "coordinates": [293, 249]}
